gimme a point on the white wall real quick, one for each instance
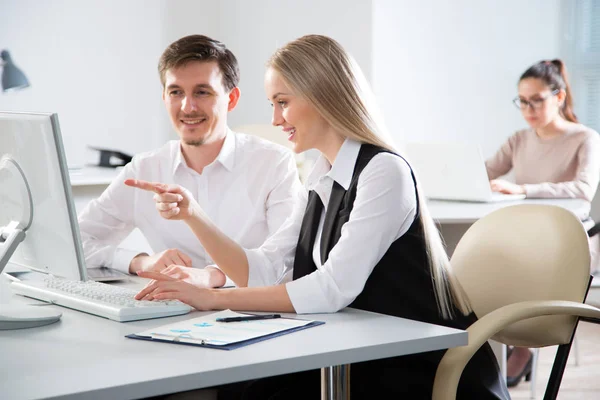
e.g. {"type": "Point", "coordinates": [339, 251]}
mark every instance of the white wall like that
{"type": "Point", "coordinates": [448, 70]}
{"type": "Point", "coordinates": [95, 62]}
{"type": "Point", "coordinates": [253, 30]}
{"type": "Point", "coordinates": [442, 70]}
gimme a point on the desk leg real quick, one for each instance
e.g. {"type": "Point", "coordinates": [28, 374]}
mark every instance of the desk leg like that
{"type": "Point", "coordinates": [499, 350]}
{"type": "Point", "coordinates": [335, 382]}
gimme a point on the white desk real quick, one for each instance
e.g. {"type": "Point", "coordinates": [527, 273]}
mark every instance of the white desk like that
{"type": "Point", "coordinates": [87, 357]}
{"type": "Point", "coordinates": [91, 176]}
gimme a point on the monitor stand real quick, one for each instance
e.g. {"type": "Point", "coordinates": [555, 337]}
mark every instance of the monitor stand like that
{"type": "Point", "coordinates": [14, 316]}
{"type": "Point", "coordinates": [19, 316]}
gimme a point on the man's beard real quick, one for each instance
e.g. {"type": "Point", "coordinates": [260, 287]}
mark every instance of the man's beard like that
{"type": "Point", "coordinates": [195, 143]}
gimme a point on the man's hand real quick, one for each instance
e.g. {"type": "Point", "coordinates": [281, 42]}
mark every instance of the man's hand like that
{"type": "Point", "coordinates": [502, 186]}
{"type": "Point", "coordinates": [159, 261]}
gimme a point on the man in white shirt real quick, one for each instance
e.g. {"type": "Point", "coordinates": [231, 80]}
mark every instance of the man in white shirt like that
{"type": "Point", "coordinates": [244, 183]}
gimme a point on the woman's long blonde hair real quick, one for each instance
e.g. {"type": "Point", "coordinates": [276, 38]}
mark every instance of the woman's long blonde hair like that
{"type": "Point", "coordinates": [319, 69]}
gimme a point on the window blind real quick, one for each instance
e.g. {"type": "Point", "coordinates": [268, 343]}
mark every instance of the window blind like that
{"type": "Point", "coordinates": [586, 69]}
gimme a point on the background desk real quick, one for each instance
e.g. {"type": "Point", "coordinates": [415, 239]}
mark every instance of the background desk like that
{"type": "Point", "coordinates": [446, 212]}
{"type": "Point", "coordinates": [454, 217]}
{"type": "Point", "coordinates": [85, 357]}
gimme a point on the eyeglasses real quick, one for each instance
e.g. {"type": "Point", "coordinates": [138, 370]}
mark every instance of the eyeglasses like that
{"type": "Point", "coordinates": [535, 104]}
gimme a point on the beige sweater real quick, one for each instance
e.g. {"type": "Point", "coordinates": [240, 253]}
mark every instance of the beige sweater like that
{"type": "Point", "coordinates": [566, 166]}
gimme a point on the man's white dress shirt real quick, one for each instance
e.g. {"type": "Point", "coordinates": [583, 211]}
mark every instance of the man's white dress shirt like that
{"type": "Point", "coordinates": [248, 192]}
{"type": "Point", "coordinates": [384, 208]}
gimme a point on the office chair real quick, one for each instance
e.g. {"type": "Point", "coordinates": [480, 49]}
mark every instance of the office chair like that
{"type": "Point", "coordinates": [526, 271]}
{"type": "Point", "coordinates": [594, 230]}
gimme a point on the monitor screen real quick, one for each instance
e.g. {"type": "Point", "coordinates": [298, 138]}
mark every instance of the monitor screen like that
{"type": "Point", "coordinates": [35, 195]}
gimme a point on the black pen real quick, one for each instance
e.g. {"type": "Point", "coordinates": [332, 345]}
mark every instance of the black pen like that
{"type": "Point", "coordinates": [248, 318]}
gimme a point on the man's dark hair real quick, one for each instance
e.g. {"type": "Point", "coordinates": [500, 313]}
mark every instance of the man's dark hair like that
{"type": "Point", "coordinates": [200, 48]}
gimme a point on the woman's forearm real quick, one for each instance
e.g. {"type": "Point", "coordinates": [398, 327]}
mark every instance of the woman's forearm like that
{"type": "Point", "coordinates": [267, 298]}
{"type": "Point", "coordinates": [226, 253]}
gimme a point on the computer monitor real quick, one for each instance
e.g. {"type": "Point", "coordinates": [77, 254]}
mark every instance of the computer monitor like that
{"type": "Point", "coordinates": [38, 223]}
{"type": "Point", "coordinates": [36, 198]}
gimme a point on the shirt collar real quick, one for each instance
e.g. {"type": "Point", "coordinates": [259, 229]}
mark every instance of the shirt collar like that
{"type": "Point", "coordinates": [178, 159]}
{"type": "Point", "coordinates": [342, 169]}
{"type": "Point", "coordinates": [226, 156]}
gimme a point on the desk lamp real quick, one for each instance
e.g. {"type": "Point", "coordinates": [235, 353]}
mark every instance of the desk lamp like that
{"type": "Point", "coordinates": [12, 77]}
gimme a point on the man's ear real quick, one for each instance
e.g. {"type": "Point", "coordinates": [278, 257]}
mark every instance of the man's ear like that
{"type": "Point", "coordinates": [234, 97]}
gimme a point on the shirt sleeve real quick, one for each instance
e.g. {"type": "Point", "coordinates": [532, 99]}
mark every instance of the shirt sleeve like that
{"type": "Point", "coordinates": [280, 200]}
{"type": "Point", "coordinates": [501, 163]}
{"type": "Point", "coordinates": [586, 178]}
{"type": "Point", "coordinates": [273, 262]}
{"type": "Point", "coordinates": [106, 221]}
{"type": "Point", "coordinates": [384, 209]}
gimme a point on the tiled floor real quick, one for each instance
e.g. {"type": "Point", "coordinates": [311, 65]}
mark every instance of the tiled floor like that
{"type": "Point", "coordinates": [579, 382]}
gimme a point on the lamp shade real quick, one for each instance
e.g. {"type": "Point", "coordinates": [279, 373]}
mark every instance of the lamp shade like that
{"type": "Point", "coordinates": [12, 77]}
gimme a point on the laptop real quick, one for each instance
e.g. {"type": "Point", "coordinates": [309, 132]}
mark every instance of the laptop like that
{"type": "Point", "coordinates": [453, 171]}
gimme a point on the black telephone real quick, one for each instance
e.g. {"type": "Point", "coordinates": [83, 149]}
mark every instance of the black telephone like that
{"type": "Point", "coordinates": [111, 158]}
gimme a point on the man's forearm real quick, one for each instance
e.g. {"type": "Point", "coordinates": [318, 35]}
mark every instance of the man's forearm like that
{"type": "Point", "coordinates": [135, 265]}
{"type": "Point", "coordinates": [216, 277]}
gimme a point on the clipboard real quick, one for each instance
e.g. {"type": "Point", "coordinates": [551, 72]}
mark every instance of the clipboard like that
{"type": "Point", "coordinates": [207, 332]}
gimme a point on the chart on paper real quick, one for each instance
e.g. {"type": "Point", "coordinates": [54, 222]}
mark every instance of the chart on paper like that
{"type": "Point", "coordinates": [207, 330]}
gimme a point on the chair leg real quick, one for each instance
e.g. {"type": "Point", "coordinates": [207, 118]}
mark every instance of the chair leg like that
{"type": "Point", "coordinates": [558, 369]}
{"type": "Point", "coordinates": [534, 368]}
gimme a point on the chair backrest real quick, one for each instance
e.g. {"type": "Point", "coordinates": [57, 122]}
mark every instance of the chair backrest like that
{"type": "Point", "coordinates": [521, 253]}
{"type": "Point", "coordinates": [265, 131]}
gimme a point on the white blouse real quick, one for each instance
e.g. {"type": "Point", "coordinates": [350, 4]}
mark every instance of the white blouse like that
{"type": "Point", "coordinates": [384, 209]}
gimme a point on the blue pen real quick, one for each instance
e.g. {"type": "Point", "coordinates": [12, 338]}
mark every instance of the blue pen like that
{"type": "Point", "coordinates": [248, 318]}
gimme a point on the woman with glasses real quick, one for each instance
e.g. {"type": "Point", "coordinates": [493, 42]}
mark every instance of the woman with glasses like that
{"type": "Point", "coordinates": [555, 157]}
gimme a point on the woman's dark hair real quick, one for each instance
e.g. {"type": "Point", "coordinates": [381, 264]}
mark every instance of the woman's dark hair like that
{"type": "Point", "coordinates": [200, 48]}
{"type": "Point", "coordinates": [554, 74]}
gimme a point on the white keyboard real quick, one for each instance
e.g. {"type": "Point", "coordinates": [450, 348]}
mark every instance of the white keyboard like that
{"type": "Point", "coordinates": [108, 301]}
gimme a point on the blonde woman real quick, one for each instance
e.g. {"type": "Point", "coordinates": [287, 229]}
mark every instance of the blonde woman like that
{"type": "Point", "coordinates": [360, 237]}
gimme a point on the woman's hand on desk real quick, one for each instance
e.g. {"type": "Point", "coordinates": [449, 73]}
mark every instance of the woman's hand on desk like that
{"type": "Point", "coordinates": [502, 186]}
{"type": "Point", "coordinates": [164, 287]}
{"type": "Point", "coordinates": [172, 201]}
{"type": "Point", "coordinates": [208, 277]}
